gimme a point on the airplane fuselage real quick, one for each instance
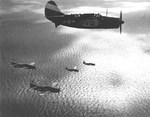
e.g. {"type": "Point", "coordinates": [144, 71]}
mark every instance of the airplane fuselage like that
{"type": "Point", "coordinates": [86, 21]}
{"type": "Point", "coordinates": [22, 65]}
{"type": "Point", "coordinates": [92, 64]}
{"type": "Point", "coordinates": [72, 70]}
{"type": "Point", "coordinates": [44, 88]}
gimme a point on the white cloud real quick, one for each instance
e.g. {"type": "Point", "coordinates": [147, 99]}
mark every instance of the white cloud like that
{"type": "Point", "coordinates": [27, 1]}
{"type": "Point", "coordinates": [19, 8]}
{"type": "Point", "coordinates": [42, 21]}
{"type": "Point", "coordinates": [126, 7]}
{"type": "Point", "coordinates": [39, 11]}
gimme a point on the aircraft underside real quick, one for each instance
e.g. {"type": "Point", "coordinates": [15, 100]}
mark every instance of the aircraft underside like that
{"type": "Point", "coordinates": [98, 23]}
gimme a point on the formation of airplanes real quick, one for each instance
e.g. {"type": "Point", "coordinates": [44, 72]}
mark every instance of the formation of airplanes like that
{"type": "Point", "coordinates": [76, 70]}
{"type": "Point", "coordinates": [43, 89]}
{"type": "Point", "coordinates": [32, 84]}
{"type": "Point", "coordinates": [86, 20]}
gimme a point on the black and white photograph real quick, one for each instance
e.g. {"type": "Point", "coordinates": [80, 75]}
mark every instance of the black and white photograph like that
{"type": "Point", "coordinates": [74, 58]}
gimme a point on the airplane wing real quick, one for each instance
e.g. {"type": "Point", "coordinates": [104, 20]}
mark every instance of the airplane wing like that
{"type": "Point", "coordinates": [33, 63]}
{"type": "Point", "coordinates": [57, 16]}
{"type": "Point", "coordinates": [55, 84]}
{"type": "Point", "coordinates": [75, 67]}
{"type": "Point", "coordinates": [43, 92]}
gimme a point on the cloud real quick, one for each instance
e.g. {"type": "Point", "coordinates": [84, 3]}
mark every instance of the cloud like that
{"type": "Point", "coordinates": [137, 22]}
{"type": "Point", "coordinates": [126, 7]}
{"type": "Point", "coordinates": [10, 6]}
{"type": "Point", "coordinates": [27, 1]}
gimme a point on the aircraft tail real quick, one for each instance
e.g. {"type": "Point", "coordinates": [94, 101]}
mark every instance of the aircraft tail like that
{"type": "Point", "coordinates": [12, 63]}
{"type": "Point", "coordinates": [51, 9]}
{"type": "Point", "coordinates": [32, 85]}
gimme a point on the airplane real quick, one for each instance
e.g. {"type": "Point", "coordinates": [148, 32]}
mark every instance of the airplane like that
{"type": "Point", "coordinates": [44, 88]}
{"type": "Point", "coordinates": [23, 65]}
{"type": "Point", "coordinates": [88, 63]}
{"type": "Point", "coordinates": [72, 70]}
{"type": "Point", "coordinates": [86, 21]}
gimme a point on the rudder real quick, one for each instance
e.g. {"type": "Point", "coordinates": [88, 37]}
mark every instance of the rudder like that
{"type": "Point", "coordinates": [51, 9]}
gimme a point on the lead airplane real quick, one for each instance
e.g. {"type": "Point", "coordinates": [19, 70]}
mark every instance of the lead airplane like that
{"type": "Point", "coordinates": [87, 20]}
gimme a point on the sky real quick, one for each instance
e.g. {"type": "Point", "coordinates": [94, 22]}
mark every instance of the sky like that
{"type": "Point", "coordinates": [135, 12]}
{"type": "Point", "coordinates": [124, 57]}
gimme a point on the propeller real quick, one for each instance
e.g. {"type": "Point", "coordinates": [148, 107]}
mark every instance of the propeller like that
{"type": "Point", "coordinates": [106, 12]}
{"type": "Point", "coordinates": [120, 22]}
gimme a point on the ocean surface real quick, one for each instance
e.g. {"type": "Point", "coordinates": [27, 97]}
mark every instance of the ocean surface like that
{"type": "Point", "coordinates": [118, 86]}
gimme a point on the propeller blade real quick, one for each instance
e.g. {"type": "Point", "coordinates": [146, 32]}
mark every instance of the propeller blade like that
{"type": "Point", "coordinates": [120, 28]}
{"type": "Point", "coordinates": [120, 22]}
{"type": "Point", "coordinates": [120, 15]}
{"type": "Point", "coordinates": [106, 12]}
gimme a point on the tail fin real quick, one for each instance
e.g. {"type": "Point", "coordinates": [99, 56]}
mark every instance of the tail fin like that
{"type": "Point", "coordinates": [12, 63]}
{"type": "Point", "coordinates": [32, 85]}
{"type": "Point", "coordinates": [51, 9]}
